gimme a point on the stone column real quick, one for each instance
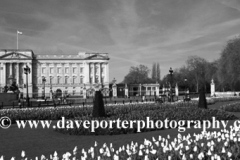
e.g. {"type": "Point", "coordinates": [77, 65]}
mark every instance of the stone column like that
{"type": "Point", "coordinates": [140, 89]}
{"type": "Point", "coordinates": [86, 73]}
{"type": "Point", "coordinates": [94, 73]}
{"type": "Point", "coordinates": [63, 78]}
{"type": "Point", "coordinates": [212, 88]}
{"type": "Point", "coordinates": [1, 75]}
{"type": "Point", "coordinates": [176, 90]}
{"type": "Point", "coordinates": [107, 73]}
{"type": "Point", "coordinates": [30, 74]}
{"type": "Point", "coordinates": [114, 88]}
{"type": "Point", "coordinates": [126, 90]}
{"type": "Point", "coordinates": [17, 73]}
{"type": "Point", "coordinates": [100, 73]}
{"type": "Point", "coordinates": [10, 69]}
{"type": "Point", "coordinates": [157, 91]}
{"type": "Point", "coordinates": [78, 73]}
{"type": "Point", "coordinates": [55, 73]}
{"type": "Point", "coordinates": [30, 86]}
{"type": "Point", "coordinates": [84, 92]}
{"type": "Point", "coordinates": [4, 73]}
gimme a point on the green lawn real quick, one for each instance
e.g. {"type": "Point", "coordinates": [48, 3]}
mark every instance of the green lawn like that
{"type": "Point", "coordinates": [36, 142]}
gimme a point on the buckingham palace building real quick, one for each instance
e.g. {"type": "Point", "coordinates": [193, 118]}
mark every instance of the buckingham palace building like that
{"type": "Point", "coordinates": [68, 74]}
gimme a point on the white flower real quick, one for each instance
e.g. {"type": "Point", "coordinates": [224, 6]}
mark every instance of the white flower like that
{"type": "Point", "coordinates": [146, 157]}
{"type": "Point", "coordinates": [115, 157]}
{"type": "Point", "coordinates": [195, 149]}
{"type": "Point", "coordinates": [43, 157]}
{"type": "Point", "coordinates": [140, 152]}
{"type": "Point", "coordinates": [75, 150]}
{"type": "Point", "coordinates": [168, 136]}
{"type": "Point", "coordinates": [209, 153]}
{"type": "Point", "coordinates": [184, 157]}
{"type": "Point", "coordinates": [153, 139]}
{"type": "Point", "coordinates": [153, 151]}
{"type": "Point", "coordinates": [169, 158]}
{"type": "Point", "coordinates": [101, 150]}
{"type": "Point", "coordinates": [223, 150]}
{"type": "Point", "coordinates": [187, 148]}
{"type": "Point", "coordinates": [181, 152]}
{"type": "Point", "coordinates": [23, 154]}
{"type": "Point", "coordinates": [191, 156]}
{"type": "Point", "coordinates": [229, 154]}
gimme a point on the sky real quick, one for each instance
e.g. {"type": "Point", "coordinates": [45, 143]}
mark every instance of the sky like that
{"type": "Point", "coordinates": [133, 32]}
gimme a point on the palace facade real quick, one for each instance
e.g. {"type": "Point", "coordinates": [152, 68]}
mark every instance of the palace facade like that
{"type": "Point", "coordinates": [69, 74]}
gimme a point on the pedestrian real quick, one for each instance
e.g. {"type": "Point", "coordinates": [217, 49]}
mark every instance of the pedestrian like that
{"type": "Point", "coordinates": [19, 103]}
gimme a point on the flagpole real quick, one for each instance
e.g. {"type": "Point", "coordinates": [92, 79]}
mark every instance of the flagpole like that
{"type": "Point", "coordinates": [17, 40]}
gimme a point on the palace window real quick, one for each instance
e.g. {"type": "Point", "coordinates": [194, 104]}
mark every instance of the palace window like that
{"type": "Point", "coordinates": [66, 80]}
{"type": "Point", "coordinates": [51, 80]}
{"type": "Point", "coordinates": [74, 70]}
{"type": "Point", "coordinates": [58, 80]}
{"type": "Point", "coordinates": [96, 79]}
{"type": "Point", "coordinates": [74, 80]}
{"type": "Point", "coordinates": [96, 70]}
{"type": "Point", "coordinates": [51, 70]}
{"type": "Point", "coordinates": [66, 70]}
{"type": "Point", "coordinates": [81, 70]}
{"type": "Point", "coordinates": [81, 79]}
{"type": "Point", "coordinates": [102, 70]}
{"type": "Point", "coordinates": [59, 70]}
{"type": "Point", "coordinates": [91, 80]}
{"type": "Point", "coordinates": [43, 70]}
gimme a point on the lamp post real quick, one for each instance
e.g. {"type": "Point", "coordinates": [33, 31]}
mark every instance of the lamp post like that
{"type": "Point", "coordinates": [171, 74]}
{"type": "Point", "coordinates": [43, 81]}
{"type": "Point", "coordinates": [27, 71]}
{"type": "Point", "coordinates": [185, 81]}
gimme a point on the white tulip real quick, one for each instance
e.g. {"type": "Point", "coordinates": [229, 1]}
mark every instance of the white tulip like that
{"type": "Point", "coordinates": [140, 152]}
{"type": "Point", "coordinates": [223, 150]}
{"type": "Point", "coordinates": [191, 156]}
{"type": "Point", "coordinates": [169, 158]}
{"type": "Point", "coordinates": [146, 157]}
{"type": "Point", "coordinates": [23, 154]}
{"type": "Point", "coordinates": [209, 153]}
{"type": "Point", "coordinates": [101, 150]}
{"type": "Point", "coordinates": [195, 149]}
{"type": "Point", "coordinates": [229, 154]}
{"type": "Point", "coordinates": [184, 157]}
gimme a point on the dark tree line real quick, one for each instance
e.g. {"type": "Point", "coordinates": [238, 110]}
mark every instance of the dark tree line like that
{"type": "Point", "coordinates": [197, 71]}
{"type": "Point", "coordinates": [225, 71]}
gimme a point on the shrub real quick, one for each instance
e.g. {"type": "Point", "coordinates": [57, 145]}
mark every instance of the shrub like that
{"type": "Point", "coordinates": [206, 145]}
{"type": "Point", "coordinates": [233, 107]}
{"type": "Point", "coordinates": [98, 105]}
{"type": "Point", "coordinates": [154, 112]}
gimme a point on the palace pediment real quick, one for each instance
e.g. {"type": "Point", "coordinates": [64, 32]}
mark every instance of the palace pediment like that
{"type": "Point", "coordinates": [14, 55]}
{"type": "Point", "coordinates": [97, 57]}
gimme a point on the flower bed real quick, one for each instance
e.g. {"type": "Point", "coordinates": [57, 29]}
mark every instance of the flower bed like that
{"type": "Point", "coordinates": [51, 113]}
{"type": "Point", "coordinates": [206, 145]}
{"type": "Point", "coordinates": [176, 112]}
{"type": "Point", "coordinates": [224, 99]}
{"type": "Point", "coordinates": [233, 107]}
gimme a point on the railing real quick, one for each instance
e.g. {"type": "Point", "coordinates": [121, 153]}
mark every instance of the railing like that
{"type": "Point", "coordinates": [34, 103]}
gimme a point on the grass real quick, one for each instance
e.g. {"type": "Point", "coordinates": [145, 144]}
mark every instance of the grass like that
{"type": "Point", "coordinates": [36, 142]}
